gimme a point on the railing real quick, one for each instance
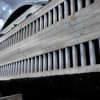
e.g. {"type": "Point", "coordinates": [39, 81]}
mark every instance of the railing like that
{"type": "Point", "coordinates": [75, 56]}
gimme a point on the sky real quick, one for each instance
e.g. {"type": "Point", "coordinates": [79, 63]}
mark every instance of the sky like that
{"type": "Point", "coordinates": [8, 6]}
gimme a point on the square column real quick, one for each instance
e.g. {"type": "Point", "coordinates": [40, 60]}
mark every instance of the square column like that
{"type": "Point", "coordinates": [60, 12]}
{"type": "Point", "coordinates": [55, 64]}
{"type": "Point", "coordinates": [41, 23]}
{"type": "Point", "coordinates": [50, 18]}
{"type": "Point", "coordinates": [61, 59]}
{"type": "Point", "coordinates": [32, 65]}
{"type": "Point", "coordinates": [92, 53]}
{"type": "Point", "coordinates": [79, 4]}
{"type": "Point", "coordinates": [54, 15]}
{"type": "Point", "coordinates": [75, 58]}
{"type": "Point", "coordinates": [87, 2]}
{"type": "Point", "coordinates": [72, 5]}
{"type": "Point", "coordinates": [49, 61]}
{"type": "Point", "coordinates": [44, 62]}
{"type": "Point", "coordinates": [45, 21]}
{"type": "Point", "coordinates": [25, 70]}
{"type": "Point", "coordinates": [40, 63]}
{"type": "Point", "coordinates": [67, 57]}
{"type": "Point", "coordinates": [28, 66]}
{"type": "Point", "coordinates": [82, 54]}
{"type": "Point", "coordinates": [65, 8]}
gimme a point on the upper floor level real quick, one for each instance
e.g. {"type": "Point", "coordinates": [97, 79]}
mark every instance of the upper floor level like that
{"type": "Point", "coordinates": [42, 17]}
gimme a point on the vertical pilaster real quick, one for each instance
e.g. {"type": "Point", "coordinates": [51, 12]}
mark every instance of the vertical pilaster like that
{"type": "Point", "coordinates": [65, 8]}
{"type": "Point", "coordinates": [37, 25]}
{"type": "Point", "coordinates": [92, 53]}
{"type": "Point", "coordinates": [28, 66]}
{"type": "Point", "coordinates": [79, 4]}
{"type": "Point", "coordinates": [50, 18]}
{"type": "Point", "coordinates": [30, 29]}
{"type": "Point", "coordinates": [13, 69]}
{"type": "Point", "coordinates": [21, 67]}
{"type": "Point", "coordinates": [36, 64]}
{"type": "Point", "coordinates": [40, 63]}
{"type": "Point", "coordinates": [72, 5]}
{"type": "Point", "coordinates": [41, 23]}
{"type": "Point", "coordinates": [45, 20]}
{"type": "Point", "coordinates": [75, 58]}
{"type": "Point", "coordinates": [10, 69]}
{"type": "Point", "coordinates": [25, 67]}
{"type": "Point", "coordinates": [55, 64]}
{"type": "Point", "coordinates": [99, 45]}
{"type": "Point", "coordinates": [67, 57]}
{"type": "Point", "coordinates": [60, 12]}
{"type": "Point", "coordinates": [61, 59]}
{"type": "Point", "coordinates": [82, 54]}
{"type": "Point", "coordinates": [44, 62]}
{"type": "Point", "coordinates": [31, 65]}
{"type": "Point", "coordinates": [49, 61]}
{"type": "Point", "coordinates": [54, 15]}
{"type": "Point", "coordinates": [87, 2]}
{"type": "Point", "coordinates": [2, 71]}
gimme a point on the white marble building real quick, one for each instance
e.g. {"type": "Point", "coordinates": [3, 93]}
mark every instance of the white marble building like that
{"type": "Point", "coordinates": [57, 38]}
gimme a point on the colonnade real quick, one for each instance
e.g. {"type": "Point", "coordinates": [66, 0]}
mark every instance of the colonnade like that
{"type": "Point", "coordinates": [56, 60]}
{"type": "Point", "coordinates": [54, 15]}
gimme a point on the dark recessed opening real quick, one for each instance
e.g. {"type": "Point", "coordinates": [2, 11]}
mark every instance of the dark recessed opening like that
{"type": "Point", "coordinates": [71, 58]}
{"type": "Point", "coordinates": [87, 53]}
{"type": "Point", "coordinates": [83, 3]}
{"type": "Point", "coordinates": [76, 6]}
{"type": "Point", "coordinates": [78, 55]}
{"type": "Point", "coordinates": [69, 7]}
{"type": "Point", "coordinates": [96, 45]}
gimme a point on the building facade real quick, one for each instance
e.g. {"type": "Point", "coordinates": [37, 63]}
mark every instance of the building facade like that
{"type": "Point", "coordinates": [59, 38]}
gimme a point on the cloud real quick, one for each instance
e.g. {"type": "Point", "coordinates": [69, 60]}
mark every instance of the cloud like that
{"type": "Point", "coordinates": [1, 23]}
{"type": "Point", "coordinates": [5, 10]}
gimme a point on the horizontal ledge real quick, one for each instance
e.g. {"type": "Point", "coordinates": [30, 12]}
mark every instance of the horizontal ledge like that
{"type": "Point", "coordinates": [68, 71]}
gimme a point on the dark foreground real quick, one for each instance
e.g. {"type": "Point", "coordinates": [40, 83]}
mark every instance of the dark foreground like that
{"type": "Point", "coordinates": [68, 87]}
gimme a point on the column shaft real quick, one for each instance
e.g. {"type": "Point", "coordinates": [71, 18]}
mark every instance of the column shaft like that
{"type": "Point", "coordinates": [49, 61]}
{"type": "Point", "coordinates": [45, 20]}
{"type": "Point", "coordinates": [44, 62]}
{"type": "Point", "coordinates": [37, 25]}
{"type": "Point", "coordinates": [54, 15]}
{"type": "Point", "coordinates": [92, 53]}
{"type": "Point", "coordinates": [28, 66]}
{"type": "Point", "coordinates": [60, 12]}
{"type": "Point", "coordinates": [83, 54]}
{"type": "Point", "coordinates": [79, 4]}
{"type": "Point", "coordinates": [67, 58]}
{"type": "Point", "coordinates": [25, 70]}
{"type": "Point", "coordinates": [65, 8]}
{"type": "Point", "coordinates": [61, 59]}
{"type": "Point", "coordinates": [50, 18]}
{"type": "Point", "coordinates": [31, 65]}
{"type": "Point", "coordinates": [36, 64]}
{"type": "Point", "coordinates": [75, 59]}
{"type": "Point", "coordinates": [40, 63]}
{"type": "Point", "coordinates": [87, 2]}
{"type": "Point", "coordinates": [72, 5]}
{"type": "Point", "coordinates": [55, 64]}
